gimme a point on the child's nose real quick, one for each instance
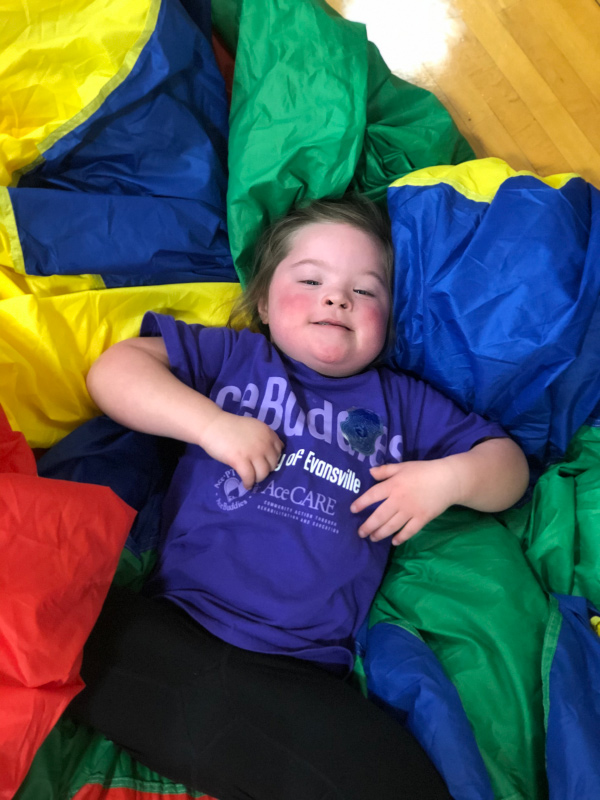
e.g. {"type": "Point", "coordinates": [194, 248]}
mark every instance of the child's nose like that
{"type": "Point", "coordinates": [337, 298]}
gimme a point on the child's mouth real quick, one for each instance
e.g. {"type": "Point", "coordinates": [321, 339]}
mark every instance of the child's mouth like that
{"type": "Point", "coordinates": [333, 324]}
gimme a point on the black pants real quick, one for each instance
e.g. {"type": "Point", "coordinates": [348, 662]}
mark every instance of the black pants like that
{"type": "Point", "coordinates": [237, 724]}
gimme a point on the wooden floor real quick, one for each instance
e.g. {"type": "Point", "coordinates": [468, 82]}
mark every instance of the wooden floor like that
{"type": "Point", "coordinates": [520, 77]}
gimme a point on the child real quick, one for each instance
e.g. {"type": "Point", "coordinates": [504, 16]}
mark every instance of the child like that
{"type": "Point", "coordinates": [304, 463]}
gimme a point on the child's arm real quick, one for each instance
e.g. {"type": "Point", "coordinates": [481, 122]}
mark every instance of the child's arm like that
{"type": "Point", "coordinates": [132, 383]}
{"type": "Point", "coordinates": [490, 477]}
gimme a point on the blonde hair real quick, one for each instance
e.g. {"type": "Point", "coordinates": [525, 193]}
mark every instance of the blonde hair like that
{"type": "Point", "coordinates": [276, 242]}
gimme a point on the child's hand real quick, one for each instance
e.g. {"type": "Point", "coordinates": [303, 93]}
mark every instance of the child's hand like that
{"type": "Point", "coordinates": [246, 444]}
{"type": "Point", "coordinates": [411, 495]}
{"type": "Point", "coordinates": [491, 476]}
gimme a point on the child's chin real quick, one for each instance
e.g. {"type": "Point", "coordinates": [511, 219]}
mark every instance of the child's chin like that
{"type": "Point", "coordinates": [333, 368]}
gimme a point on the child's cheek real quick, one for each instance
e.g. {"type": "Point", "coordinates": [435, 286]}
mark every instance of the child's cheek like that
{"type": "Point", "coordinates": [376, 319]}
{"type": "Point", "coordinates": [292, 304]}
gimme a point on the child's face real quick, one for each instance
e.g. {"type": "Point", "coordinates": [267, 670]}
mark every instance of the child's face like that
{"type": "Point", "coordinates": [328, 303]}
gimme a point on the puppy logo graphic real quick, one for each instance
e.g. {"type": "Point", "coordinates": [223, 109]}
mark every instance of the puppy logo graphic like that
{"type": "Point", "coordinates": [361, 430]}
{"type": "Point", "coordinates": [231, 492]}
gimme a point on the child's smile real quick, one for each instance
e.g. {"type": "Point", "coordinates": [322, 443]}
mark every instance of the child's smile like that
{"type": "Point", "coordinates": [328, 302]}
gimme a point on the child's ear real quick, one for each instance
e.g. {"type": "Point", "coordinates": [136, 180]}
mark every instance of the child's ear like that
{"type": "Point", "coordinates": [263, 311]}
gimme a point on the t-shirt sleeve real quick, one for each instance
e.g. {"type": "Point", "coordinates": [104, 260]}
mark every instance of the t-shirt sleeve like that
{"type": "Point", "coordinates": [196, 353]}
{"type": "Point", "coordinates": [435, 427]}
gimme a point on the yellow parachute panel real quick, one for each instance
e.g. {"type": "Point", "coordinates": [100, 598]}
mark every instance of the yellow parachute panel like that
{"type": "Point", "coordinates": [59, 59]}
{"type": "Point", "coordinates": [477, 180]}
{"type": "Point", "coordinates": [49, 343]}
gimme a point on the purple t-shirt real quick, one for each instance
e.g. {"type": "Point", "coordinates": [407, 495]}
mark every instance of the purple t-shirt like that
{"type": "Point", "coordinates": [281, 568]}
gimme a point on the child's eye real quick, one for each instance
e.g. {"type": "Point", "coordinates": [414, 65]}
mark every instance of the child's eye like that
{"type": "Point", "coordinates": [365, 292]}
{"type": "Point", "coordinates": [310, 283]}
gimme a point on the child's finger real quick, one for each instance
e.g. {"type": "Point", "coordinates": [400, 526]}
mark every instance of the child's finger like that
{"type": "Point", "coordinates": [382, 522]}
{"type": "Point", "coordinates": [262, 468]}
{"type": "Point", "coordinates": [385, 471]}
{"type": "Point", "coordinates": [413, 526]}
{"type": "Point", "coordinates": [272, 452]}
{"type": "Point", "coordinates": [374, 494]}
{"type": "Point", "coordinates": [247, 474]}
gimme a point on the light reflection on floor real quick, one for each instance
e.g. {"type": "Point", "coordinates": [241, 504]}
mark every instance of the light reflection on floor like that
{"type": "Point", "coordinates": [410, 35]}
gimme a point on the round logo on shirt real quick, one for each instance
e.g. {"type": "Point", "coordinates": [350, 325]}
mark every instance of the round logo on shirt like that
{"type": "Point", "coordinates": [230, 491]}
